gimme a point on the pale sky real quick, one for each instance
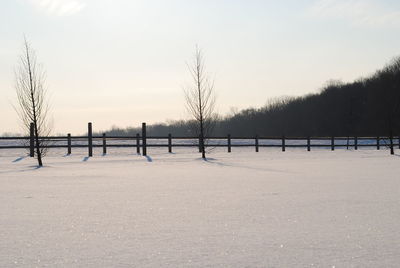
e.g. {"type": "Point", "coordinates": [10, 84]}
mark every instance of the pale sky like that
{"type": "Point", "coordinates": [123, 62]}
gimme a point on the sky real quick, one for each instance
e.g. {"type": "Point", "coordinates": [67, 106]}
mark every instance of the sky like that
{"type": "Point", "coordinates": [123, 62]}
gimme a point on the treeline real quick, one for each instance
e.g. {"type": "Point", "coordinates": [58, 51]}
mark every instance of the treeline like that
{"type": "Point", "coordinates": [366, 107]}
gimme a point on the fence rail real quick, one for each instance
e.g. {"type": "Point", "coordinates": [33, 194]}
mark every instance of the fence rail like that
{"type": "Point", "coordinates": [141, 142]}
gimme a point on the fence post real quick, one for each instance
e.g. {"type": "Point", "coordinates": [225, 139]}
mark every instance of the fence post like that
{"type": "Point", "coordinates": [90, 140]}
{"type": "Point", "coordinates": [32, 140]}
{"type": "Point", "coordinates": [283, 144]}
{"type": "Point", "coordinates": [144, 141]}
{"type": "Point", "coordinates": [104, 144]}
{"type": "Point", "coordinates": [378, 144]}
{"type": "Point", "coordinates": [169, 143]}
{"type": "Point", "coordinates": [308, 144]}
{"type": "Point", "coordinates": [257, 149]}
{"type": "Point", "coordinates": [229, 143]}
{"type": "Point", "coordinates": [355, 143]}
{"type": "Point", "coordinates": [137, 143]}
{"type": "Point", "coordinates": [333, 143]}
{"type": "Point", "coordinates": [69, 143]}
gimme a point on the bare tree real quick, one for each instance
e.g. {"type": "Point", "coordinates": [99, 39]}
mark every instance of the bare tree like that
{"type": "Point", "coordinates": [33, 106]}
{"type": "Point", "coordinates": [200, 98]}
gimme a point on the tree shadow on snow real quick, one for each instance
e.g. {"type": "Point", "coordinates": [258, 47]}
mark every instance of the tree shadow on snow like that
{"type": "Point", "coordinates": [85, 159]}
{"type": "Point", "coordinates": [208, 159]}
{"type": "Point", "coordinates": [19, 159]}
{"type": "Point", "coordinates": [26, 169]}
{"type": "Point", "coordinates": [149, 159]}
{"type": "Point", "coordinates": [31, 168]}
{"type": "Point", "coordinates": [36, 167]}
{"type": "Point", "coordinates": [218, 163]}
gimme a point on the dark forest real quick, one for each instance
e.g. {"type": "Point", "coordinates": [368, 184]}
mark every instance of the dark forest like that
{"type": "Point", "coordinates": [365, 107]}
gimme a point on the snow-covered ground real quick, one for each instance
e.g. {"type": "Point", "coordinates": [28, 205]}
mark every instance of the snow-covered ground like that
{"type": "Point", "coordinates": [244, 209]}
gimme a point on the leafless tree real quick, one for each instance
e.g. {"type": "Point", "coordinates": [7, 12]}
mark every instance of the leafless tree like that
{"type": "Point", "coordinates": [31, 93]}
{"type": "Point", "coordinates": [200, 99]}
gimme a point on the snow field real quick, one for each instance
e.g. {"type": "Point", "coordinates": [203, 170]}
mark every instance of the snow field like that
{"type": "Point", "coordinates": [271, 209]}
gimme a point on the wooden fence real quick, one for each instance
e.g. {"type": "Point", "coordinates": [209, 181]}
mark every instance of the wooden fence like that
{"type": "Point", "coordinates": [141, 142]}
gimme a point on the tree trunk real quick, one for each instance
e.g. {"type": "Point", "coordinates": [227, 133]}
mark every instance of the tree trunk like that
{"type": "Point", "coordinates": [38, 152]}
{"type": "Point", "coordinates": [203, 151]}
{"type": "Point", "coordinates": [391, 142]}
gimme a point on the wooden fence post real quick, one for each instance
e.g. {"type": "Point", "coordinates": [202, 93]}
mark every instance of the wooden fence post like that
{"type": "Point", "coordinates": [104, 144]}
{"type": "Point", "coordinates": [229, 143]}
{"type": "Point", "coordinates": [144, 139]}
{"type": "Point", "coordinates": [308, 144]}
{"type": "Point", "coordinates": [137, 143]}
{"type": "Point", "coordinates": [257, 145]}
{"type": "Point", "coordinates": [283, 144]}
{"type": "Point", "coordinates": [378, 144]}
{"type": "Point", "coordinates": [31, 140]}
{"type": "Point", "coordinates": [333, 143]}
{"type": "Point", "coordinates": [90, 140]}
{"type": "Point", "coordinates": [69, 143]}
{"type": "Point", "coordinates": [169, 143]}
{"type": "Point", "coordinates": [355, 143]}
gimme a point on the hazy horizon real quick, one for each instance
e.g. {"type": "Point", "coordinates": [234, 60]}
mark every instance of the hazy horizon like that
{"type": "Point", "coordinates": [123, 63]}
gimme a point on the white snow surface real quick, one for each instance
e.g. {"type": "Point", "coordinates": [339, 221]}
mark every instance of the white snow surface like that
{"type": "Point", "coordinates": [244, 209]}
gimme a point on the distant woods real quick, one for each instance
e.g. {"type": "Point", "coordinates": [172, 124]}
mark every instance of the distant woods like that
{"type": "Point", "coordinates": [366, 107]}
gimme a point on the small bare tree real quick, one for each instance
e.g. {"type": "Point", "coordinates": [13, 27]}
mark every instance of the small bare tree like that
{"type": "Point", "coordinates": [200, 98]}
{"type": "Point", "coordinates": [31, 93]}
